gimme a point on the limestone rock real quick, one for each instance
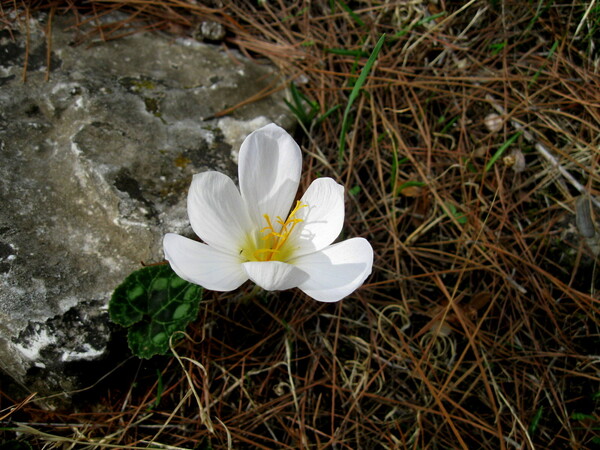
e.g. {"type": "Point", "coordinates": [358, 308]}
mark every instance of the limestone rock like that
{"type": "Point", "coordinates": [94, 169]}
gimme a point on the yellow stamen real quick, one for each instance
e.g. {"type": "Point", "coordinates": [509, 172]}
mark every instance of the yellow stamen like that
{"type": "Point", "coordinates": [276, 239]}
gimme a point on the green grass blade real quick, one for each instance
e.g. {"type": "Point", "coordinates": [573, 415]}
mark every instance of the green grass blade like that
{"type": "Point", "coordinates": [355, 92]}
{"type": "Point", "coordinates": [300, 104]}
{"type": "Point", "coordinates": [327, 113]}
{"type": "Point", "coordinates": [542, 7]}
{"type": "Point", "coordinates": [539, 71]}
{"type": "Point", "coordinates": [501, 150]}
{"type": "Point", "coordinates": [345, 52]}
{"type": "Point", "coordinates": [394, 170]}
{"type": "Point", "coordinates": [352, 14]}
{"type": "Point", "coordinates": [449, 125]}
{"type": "Point", "coordinates": [536, 420]}
{"type": "Point", "coordinates": [159, 390]}
{"type": "Point", "coordinates": [297, 112]}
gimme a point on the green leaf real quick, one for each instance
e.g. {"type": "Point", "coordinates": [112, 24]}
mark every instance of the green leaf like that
{"type": "Point", "coordinates": [582, 416]}
{"type": "Point", "coordinates": [497, 48]}
{"type": "Point", "coordinates": [460, 217]}
{"type": "Point", "coordinates": [154, 303]}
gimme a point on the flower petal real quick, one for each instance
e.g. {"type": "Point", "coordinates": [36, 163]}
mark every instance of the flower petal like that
{"type": "Point", "coordinates": [200, 264]}
{"type": "Point", "coordinates": [336, 271]}
{"type": "Point", "coordinates": [274, 275]}
{"type": "Point", "coordinates": [269, 168]}
{"type": "Point", "coordinates": [322, 218]}
{"type": "Point", "coordinates": [216, 211]}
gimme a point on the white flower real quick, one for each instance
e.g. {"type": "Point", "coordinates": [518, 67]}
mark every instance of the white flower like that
{"type": "Point", "coordinates": [259, 233]}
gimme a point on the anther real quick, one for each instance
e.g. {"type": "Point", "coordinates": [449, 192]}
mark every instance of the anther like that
{"type": "Point", "coordinates": [281, 237]}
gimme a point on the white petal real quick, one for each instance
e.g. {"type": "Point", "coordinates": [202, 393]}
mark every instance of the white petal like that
{"type": "Point", "coordinates": [217, 214]}
{"type": "Point", "coordinates": [274, 275]}
{"type": "Point", "coordinates": [336, 271]}
{"type": "Point", "coordinates": [200, 264]}
{"type": "Point", "coordinates": [269, 168]}
{"type": "Point", "coordinates": [322, 218]}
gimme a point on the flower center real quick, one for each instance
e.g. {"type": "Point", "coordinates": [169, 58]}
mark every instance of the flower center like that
{"type": "Point", "coordinates": [277, 235]}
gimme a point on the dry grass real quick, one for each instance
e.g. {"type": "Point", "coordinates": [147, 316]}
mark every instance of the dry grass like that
{"type": "Point", "coordinates": [479, 327]}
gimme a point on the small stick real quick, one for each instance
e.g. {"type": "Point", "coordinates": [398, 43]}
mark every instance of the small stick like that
{"type": "Point", "coordinates": [545, 153]}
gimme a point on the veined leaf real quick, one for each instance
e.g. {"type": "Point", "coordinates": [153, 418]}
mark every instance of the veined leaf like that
{"type": "Point", "coordinates": [154, 303]}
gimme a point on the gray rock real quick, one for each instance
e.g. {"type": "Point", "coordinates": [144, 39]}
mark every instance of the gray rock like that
{"type": "Point", "coordinates": [94, 169]}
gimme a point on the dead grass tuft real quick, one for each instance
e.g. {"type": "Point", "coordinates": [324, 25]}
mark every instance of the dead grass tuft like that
{"type": "Point", "coordinates": [480, 325]}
